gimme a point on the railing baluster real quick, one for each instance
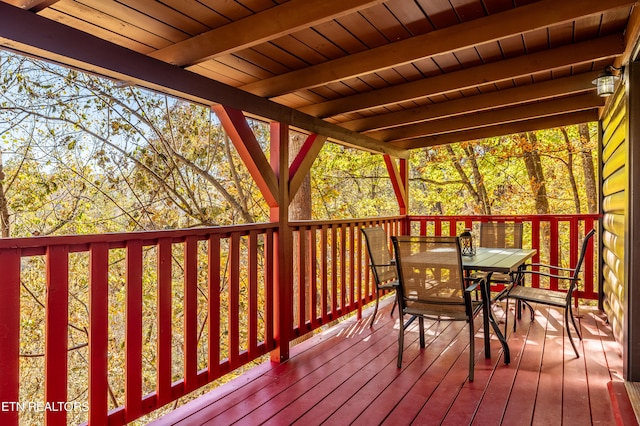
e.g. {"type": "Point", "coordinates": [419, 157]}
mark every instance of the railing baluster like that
{"type": "Point", "coordinates": [352, 280]}
{"type": "Point", "coordinates": [10, 333]}
{"type": "Point", "coordinates": [165, 321]}
{"type": "Point", "coordinates": [334, 273]}
{"type": "Point", "coordinates": [313, 286]}
{"type": "Point", "coordinates": [234, 301]}
{"type": "Point", "coordinates": [99, 333]}
{"type": "Point", "coordinates": [214, 307]}
{"type": "Point", "coordinates": [342, 251]}
{"type": "Point", "coordinates": [133, 338]}
{"type": "Point", "coordinates": [554, 253]}
{"type": "Point", "coordinates": [324, 271]}
{"type": "Point", "coordinates": [56, 333]}
{"type": "Point", "coordinates": [190, 345]}
{"type": "Point", "coordinates": [269, 289]}
{"type": "Point", "coordinates": [252, 307]}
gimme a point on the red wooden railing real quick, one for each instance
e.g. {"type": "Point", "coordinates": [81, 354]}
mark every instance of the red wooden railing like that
{"type": "Point", "coordinates": [557, 238]}
{"type": "Point", "coordinates": [210, 296]}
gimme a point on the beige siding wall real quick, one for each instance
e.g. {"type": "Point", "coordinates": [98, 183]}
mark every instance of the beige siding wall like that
{"type": "Point", "coordinates": [615, 201]}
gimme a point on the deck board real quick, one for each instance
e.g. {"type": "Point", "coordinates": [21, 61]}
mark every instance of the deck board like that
{"type": "Point", "coordinates": [348, 375]}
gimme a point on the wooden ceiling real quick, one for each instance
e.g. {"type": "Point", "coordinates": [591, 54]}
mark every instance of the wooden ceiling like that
{"type": "Point", "coordinates": [383, 75]}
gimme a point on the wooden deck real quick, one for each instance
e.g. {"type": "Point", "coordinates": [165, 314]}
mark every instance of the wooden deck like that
{"type": "Point", "coordinates": [348, 375]}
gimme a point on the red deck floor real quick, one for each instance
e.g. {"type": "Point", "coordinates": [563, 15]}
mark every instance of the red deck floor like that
{"type": "Point", "coordinates": [348, 375]}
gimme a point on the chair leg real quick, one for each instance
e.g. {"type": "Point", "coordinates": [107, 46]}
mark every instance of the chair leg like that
{"type": "Point", "coordinates": [421, 328]}
{"type": "Point", "coordinates": [573, 320]}
{"type": "Point", "coordinates": [375, 310]}
{"type": "Point", "coordinates": [566, 326]}
{"type": "Point", "coordinates": [533, 313]}
{"type": "Point", "coordinates": [395, 303]}
{"type": "Point", "coordinates": [472, 348]}
{"type": "Point", "coordinates": [400, 341]}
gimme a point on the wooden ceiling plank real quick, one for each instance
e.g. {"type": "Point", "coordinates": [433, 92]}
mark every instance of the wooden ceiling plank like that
{"type": "Point", "coordinates": [568, 55]}
{"type": "Point", "coordinates": [465, 35]}
{"type": "Point", "coordinates": [105, 20]}
{"type": "Point", "coordinates": [133, 18]}
{"type": "Point", "coordinates": [258, 28]}
{"type": "Point", "coordinates": [498, 99]}
{"type": "Point", "coordinates": [500, 130]}
{"type": "Point", "coordinates": [493, 117]}
{"type": "Point", "coordinates": [110, 36]}
{"type": "Point", "coordinates": [31, 34]}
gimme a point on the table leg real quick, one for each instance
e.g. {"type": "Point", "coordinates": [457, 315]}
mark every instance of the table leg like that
{"type": "Point", "coordinates": [490, 319]}
{"type": "Point", "coordinates": [486, 306]}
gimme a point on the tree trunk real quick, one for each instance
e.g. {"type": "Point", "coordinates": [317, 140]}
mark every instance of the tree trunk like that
{"type": "Point", "coordinates": [474, 191]}
{"type": "Point", "coordinates": [569, 164]}
{"type": "Point", "coordinates": [588, 168]}
{"type": "Point", "coordinates": [534, 169]}
{"type": "Point", "coordinates": [4, 207]}
{"type": "Point", "coordinates": [479, 180]}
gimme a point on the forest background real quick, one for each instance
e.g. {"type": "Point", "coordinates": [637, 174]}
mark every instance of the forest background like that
{"type": "Point", "coordinates": [80, 154]}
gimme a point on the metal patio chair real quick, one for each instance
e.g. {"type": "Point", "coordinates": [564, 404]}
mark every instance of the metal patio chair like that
{"type": "Point", "coordinates": [557, 298]}
{"type": "Point", "coordinates": [501, 235]}
{"type": "Point", "coordinates": [383, 266]}
{"type": "Point", "coordinates": [433, 286]}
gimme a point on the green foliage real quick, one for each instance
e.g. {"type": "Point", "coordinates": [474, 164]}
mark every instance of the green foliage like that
{"type": "Point", "coordinates": [347, 183]}
{"type": "Point", "coordinates": [436, 187]}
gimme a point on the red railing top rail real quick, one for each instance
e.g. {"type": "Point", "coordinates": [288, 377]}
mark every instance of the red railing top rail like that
{"type": "Point", "coordinates": [36, 246]}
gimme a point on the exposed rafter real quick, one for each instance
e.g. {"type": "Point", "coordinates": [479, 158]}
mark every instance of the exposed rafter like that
{"type": "Point", "coordinates": [254, 29]}
{"type": "Point", "coordinates": [500, 130]}
{"type": "Point", "coordinates": [492, 118]}
{"type": "Point", "coordinates": [579, 83]}
{"type": "Point", "coordinates": [605, 47]}
{"type": "Point", "coordinates": [493, 27]}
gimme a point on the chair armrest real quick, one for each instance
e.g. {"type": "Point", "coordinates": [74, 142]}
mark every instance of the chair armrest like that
{"type": "Point", "coordinates": [472, 287]}
{"type": "Point", "coordinates": [544, 274]}
{"type": "Point", "coordinates": [393, 263]}
{"type": "Point", "coordinates": [544, 265]}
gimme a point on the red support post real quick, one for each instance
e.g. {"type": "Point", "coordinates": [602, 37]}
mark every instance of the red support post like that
{"type": "Point", "coordinates": [283, 244]}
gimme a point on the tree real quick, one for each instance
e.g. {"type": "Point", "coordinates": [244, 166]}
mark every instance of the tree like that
{"type": "Point", "coordinates": [533, 164]}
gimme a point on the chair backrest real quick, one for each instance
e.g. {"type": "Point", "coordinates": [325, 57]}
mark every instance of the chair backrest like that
{"type": "Point", "coordinates": [382, 263]}
{"type": "Point", "coordinates": [430, 273]}
{"type": "Point", "coordinates": [501, 234]}
{"type": "Point", "coordinates": [583, 251]}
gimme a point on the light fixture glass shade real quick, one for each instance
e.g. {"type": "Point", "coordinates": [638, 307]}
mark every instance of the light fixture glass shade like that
{"type": "Point", "coordinates": [605, 84]}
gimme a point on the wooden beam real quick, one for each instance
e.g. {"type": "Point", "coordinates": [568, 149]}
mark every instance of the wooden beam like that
{"type": "Point", "coordinates": [236, 126]}
{"type": "Point", "coordinates": [579, 83]}
{"type": "Point", "coordinates": [301, 165]}
{"type": "Point", "coordinates": [33, 35]}
{"type": "Point", "coordinates": [501, 130]}
{"type": "Point", "coordinates": [32, 5]}
{"type": "Point", "coordinates": [398, 181]}
{"type": "Point", "coordinates": [493, 117]}
{"type": "Point", "coordinates": [525, 65]}
{"type": "Point", "coordinates": [494, 27]}
{"type": "Point", "coordinates": [258, 28]}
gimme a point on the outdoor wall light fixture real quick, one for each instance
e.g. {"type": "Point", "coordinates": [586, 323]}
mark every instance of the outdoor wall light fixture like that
{"type": "Point", "coordinates": [606, 82]}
